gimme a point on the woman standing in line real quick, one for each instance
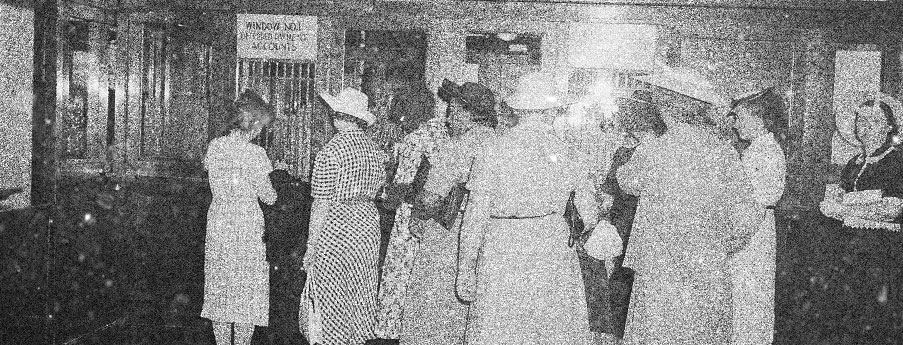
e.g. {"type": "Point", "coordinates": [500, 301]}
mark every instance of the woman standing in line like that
{"type": "Point", "coordinates": [515, 265]}
{"type": "Point", "coordinates": [695, 210]}
{"type": "Point", "coordinates": [413, 154]}
{"type": "Point", "coordinates": [760, 120]}
{"type": "Point", "coordinates": [236, 274]}
{"type": "Point", "coordinates": [870, 205]}
{"type": "Point", "coordinates": [338, 306]}
{"type": "Point", "coordinates": [434, 315]}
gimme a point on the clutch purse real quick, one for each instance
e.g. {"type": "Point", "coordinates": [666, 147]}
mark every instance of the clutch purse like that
{"type": "Point", "coordinates": [455, 204]}
{"type": "Point", "coordinates": [456, 201]}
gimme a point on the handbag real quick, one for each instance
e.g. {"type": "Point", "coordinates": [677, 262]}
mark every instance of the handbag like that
{"type": "Point", "coordinates": [574, 221]}
{"type": "Point", "coordinates": [456, 202]}
{"type": "Point", "coordinates": [455, 205]}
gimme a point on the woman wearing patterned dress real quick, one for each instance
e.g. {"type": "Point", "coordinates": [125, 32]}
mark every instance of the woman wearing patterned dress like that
{"type": "Point", "coordinates": [338, 305]}
{"type": "Point", "coordinates": [236, 274]}
{"type": "Point", "coordinates": [760, 120]}
{"type": "Point", "coordinates": [433, 315]}
{"type": "Point", "coordinates": [412, 153]}
{"type": "Point", "coordinates": [695, 210]}
{"type": "Point", "coordinates": [870, 205]}
{"type": "Point", "coordinates": [515, 265]}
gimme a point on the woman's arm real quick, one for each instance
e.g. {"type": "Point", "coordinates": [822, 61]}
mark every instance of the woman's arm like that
{"type": "Point", "coordinates": [770, 177]}
{"type": "Point", "coordinates": [262, 183]}
{"type": "Point", "coordinates": [746, 214]}
{"type": "Point", "coordinates": [473, 229]}
{"type": "Point", "coordinates": [265, 190]}
{"type": "Point", "coordinates": [326, 170]}
{"type": "Point", "coordinates": [318, 211]}
{"type": "Point", "coordinates": [439, 180]}
{"type": "Point", "coordinates": [585, 196]}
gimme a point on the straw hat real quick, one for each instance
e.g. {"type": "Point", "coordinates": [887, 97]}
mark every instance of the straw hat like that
{"type": "Point", "coordinates": [536, 91]}
{"type": "Point", "coordinates": [846, 125]}
{"type": "Point", "coordinates": [687, 82]}
{"type": "Point", "coordinates": [352, 102]}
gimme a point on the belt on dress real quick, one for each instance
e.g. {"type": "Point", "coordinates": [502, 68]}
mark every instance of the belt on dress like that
{"type": "Point", "coordinates": [522, 217]}
{"type": "Point", "coordinates": [770, 207]}
{"type": "Point", "coordinates": [355, 200]}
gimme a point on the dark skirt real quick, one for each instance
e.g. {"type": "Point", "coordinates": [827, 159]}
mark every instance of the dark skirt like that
{"type": "Point", "coordinates": [869, 285]}
{"type": "Point", "coordinates": [598, 298]}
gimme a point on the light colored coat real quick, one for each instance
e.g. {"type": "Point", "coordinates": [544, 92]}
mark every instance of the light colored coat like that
{"type": "Point", "coordinates": [529, 288]}
{"type": "Point", "coordinates": [695, 207]}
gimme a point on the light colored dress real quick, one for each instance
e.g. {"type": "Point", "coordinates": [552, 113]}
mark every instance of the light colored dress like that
{"type": "Point", "coordinates": [417, 147]}
{"type": "Point", "coordinates": [236, 273]}
{"type": "Point", "coordinates": [338, 305]}
{"type": "Point", "coordinates": [753, 268]}
{"type": "Point", "coordinates": [434, 314]}
{"type": "Point", "coordinates": [695, 207]}
{"type": "Point", "coordinates": [529, 288]}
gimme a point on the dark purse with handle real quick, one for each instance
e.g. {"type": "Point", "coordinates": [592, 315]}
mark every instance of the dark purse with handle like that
{"type": "Point", "coordinates": [454, 206]}
{"type": "Point", "coordinates": [575, 222]}
{"type": "Point", "coordinates": [456, 202]}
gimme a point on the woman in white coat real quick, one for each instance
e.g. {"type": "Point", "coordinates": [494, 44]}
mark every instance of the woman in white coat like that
{"type": "Point", "coordinates": [760, 120]}
{"type": "Point", "coordinates": [515, 265]}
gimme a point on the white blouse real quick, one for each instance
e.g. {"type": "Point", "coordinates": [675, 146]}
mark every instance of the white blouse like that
{"type": "Point", "coordinates": [766, 168]}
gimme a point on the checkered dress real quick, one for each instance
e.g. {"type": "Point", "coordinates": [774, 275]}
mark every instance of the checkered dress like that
{"type": "Point", "coordinates": [342, 286]}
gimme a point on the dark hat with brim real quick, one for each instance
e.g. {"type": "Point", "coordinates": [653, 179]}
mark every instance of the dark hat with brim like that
{"type": "Point", "coordinates": [750, 96]}
{"type": "Point", "coordinates": [476, 98]}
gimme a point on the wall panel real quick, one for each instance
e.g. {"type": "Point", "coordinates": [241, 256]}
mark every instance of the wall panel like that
{"type": "Point", "coordinates": [16, 52]}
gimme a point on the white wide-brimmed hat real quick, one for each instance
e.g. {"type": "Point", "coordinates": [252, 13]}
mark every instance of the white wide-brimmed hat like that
{"type": "Point", "coordinates": [536, 91]}
{"type": "Point", "coordinates": [352, 102]}
{"type": "Point", "coordinates": [687, 82]}
{"type": "Point", "coordinates": [846, 125]}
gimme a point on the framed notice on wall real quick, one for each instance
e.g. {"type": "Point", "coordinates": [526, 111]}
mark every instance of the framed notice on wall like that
{"type": "Point", "coordinates": [612, 46]}
{"type": "Point", "coordinates": [284, 37]}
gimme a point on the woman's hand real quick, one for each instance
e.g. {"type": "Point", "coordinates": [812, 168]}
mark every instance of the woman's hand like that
{"type": "Point", "coordinates": [318, 213]}
{"type": "Point", "coordinates": [894, 206]}
{"type": "Point", "coordinates": [310, 257]}
{"type": "Point", "coordinates": [416, 229]}
{"type": "Point", "coordinates": [606, 201]}
{"type": "Point", "coordinates": [831, 208]}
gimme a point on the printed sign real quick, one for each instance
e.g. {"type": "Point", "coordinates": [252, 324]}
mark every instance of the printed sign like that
{"type": "Point", "coordinates": [266, 36]}
{"type": "Point", "coordinates": [612, 46]}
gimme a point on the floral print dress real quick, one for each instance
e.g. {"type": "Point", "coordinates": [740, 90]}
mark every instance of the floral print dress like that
{"type": "Point", "coordinates": [416, 148]}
